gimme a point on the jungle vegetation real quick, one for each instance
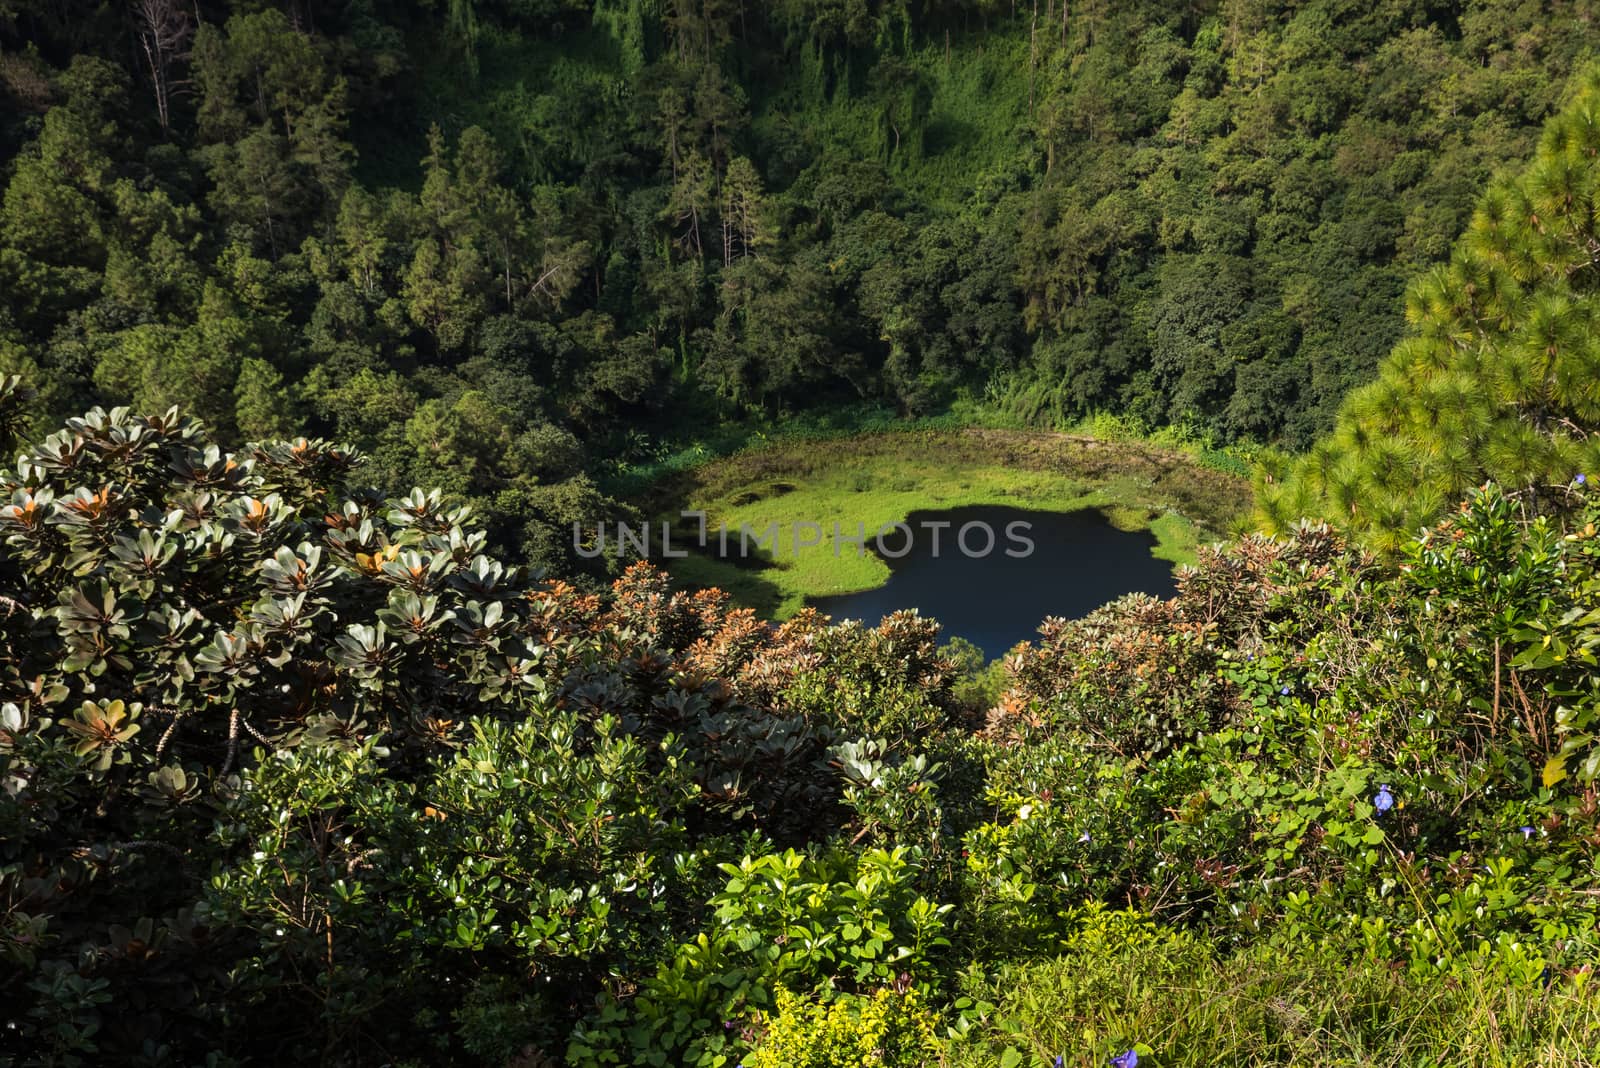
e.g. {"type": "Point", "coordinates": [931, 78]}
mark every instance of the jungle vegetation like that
{"type": "Point", "coordinates": [323, 321]}
{"type": "Point", "coordinates": [511, 247]}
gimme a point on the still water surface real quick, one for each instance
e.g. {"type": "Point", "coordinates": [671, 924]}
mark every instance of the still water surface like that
{"type": "Point", "coordinates": [1078, 563]}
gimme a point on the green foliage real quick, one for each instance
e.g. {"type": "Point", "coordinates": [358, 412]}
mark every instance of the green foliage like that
{"type": "Point", "coordinates": [627, 220]}
{"type": "Point", "coordinates": [783, 921]}
{"type": "Point", "coordinates": [294, 768]}
{"type": "Point", "coordinates": [1178, 1002]}
{"type": "Point", "coordinates": [546, 844]}
{"type": "Point", "coordinates": [885, 1029]}
{"type": "Point", "coordinates": [307, 770]}
{"type": "Point", "coordinates": [296, 765]}
{"type": "Point", "coordinates": [1496, 380]}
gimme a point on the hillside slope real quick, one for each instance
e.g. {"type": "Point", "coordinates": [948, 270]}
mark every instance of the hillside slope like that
{"type": "Point", "coordinates": [1499, 378]}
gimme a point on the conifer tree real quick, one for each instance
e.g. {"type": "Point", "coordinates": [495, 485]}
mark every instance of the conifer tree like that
{"type": "Point", "coordinates": [1499, 378]}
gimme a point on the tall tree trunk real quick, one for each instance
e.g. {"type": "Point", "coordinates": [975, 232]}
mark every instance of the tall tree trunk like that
{"type": "Point", "coordinates": [163, 29]}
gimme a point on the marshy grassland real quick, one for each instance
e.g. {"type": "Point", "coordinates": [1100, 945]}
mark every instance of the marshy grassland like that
{"type": "Point", "coordinates": [878, 479]}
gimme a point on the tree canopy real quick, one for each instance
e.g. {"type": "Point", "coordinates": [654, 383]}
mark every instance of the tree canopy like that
{"type": "Point", "coordinates": [628, 222]}
{"type": "Point", "coordinates": [1499, 376]}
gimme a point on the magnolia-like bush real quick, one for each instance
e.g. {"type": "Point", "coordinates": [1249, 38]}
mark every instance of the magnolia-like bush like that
{"type": "Point", "coordinates": [288, 766]}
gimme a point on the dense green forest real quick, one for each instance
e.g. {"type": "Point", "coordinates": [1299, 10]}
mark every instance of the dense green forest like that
{"type": "Point", "coordinates": [323, 322]}
{"type": "Point", "coordinates": [1500, 377]}
{"type": "Point", "coordinates": [505, 246]}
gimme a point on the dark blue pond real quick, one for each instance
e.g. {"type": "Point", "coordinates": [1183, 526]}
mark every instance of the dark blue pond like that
{"type": "Point", "coordinates": [1078, 561]}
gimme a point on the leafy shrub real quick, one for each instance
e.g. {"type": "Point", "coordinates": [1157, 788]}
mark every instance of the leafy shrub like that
{"type": "Point", "coordinates": [290, 771]}
{"type": "Point", "coordinates": [550, 845]}
{"type": "Point", "coordinates": [853, 1031]}
{"type": "Point", "coordinates": [892, 683]}
{"type": "Point", "coordinates": [1139, 675]}
{"type": "Point", "coordinates": [783, 920]}
{"type": "Point", "coordinates": [286, 759]}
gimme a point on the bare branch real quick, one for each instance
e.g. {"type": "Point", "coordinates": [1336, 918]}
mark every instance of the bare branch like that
{"type": "Point", "coordinates": [164, 29]}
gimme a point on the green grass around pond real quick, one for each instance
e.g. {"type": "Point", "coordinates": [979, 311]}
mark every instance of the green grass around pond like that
{"type": "Point", "coordinates": [875, 480]}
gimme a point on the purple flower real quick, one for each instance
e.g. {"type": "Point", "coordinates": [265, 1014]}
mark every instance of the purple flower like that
{"type": "Point", "coordinates": [1384, 801]}
{"type": "Point", "coordinates": [1527, 832]}
{"type": "Point", "coordinates": [1060, 1060]}
{"type": "Point", "coordinates": [1126, 1059]}
{"type": "Point", "coordinates": [1581, 479]}
{"type": "Point", "coordinates": [1084, 837]}
{"type": "Point", "coordinates": [1284, 692]}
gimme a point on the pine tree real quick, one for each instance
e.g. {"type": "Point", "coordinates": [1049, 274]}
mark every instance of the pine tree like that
{"type": "Point", "coordinates": [744, 225]}
{"type": "Point", "coordinates": [1500, 377]}
{"type": "Point", "coordinates": [496, 219]}
{"type": "Point", "coordinates": [362, 242]}
{"type": "Point", "coordinates": [689, 203]}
